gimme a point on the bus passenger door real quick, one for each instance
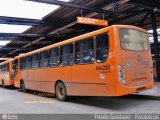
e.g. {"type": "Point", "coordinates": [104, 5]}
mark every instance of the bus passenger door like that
{"type": "Point", "coordinates": [16, 73]}
{"type": "Point", "coordinates": [66, 62]}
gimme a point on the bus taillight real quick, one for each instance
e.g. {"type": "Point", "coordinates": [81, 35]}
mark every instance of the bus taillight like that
{"type": "Point", "coordinates": [121, 75]}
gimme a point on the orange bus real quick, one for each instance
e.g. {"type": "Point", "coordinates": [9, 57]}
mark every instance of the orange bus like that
{"type": "Point", "coordinates": [112, 61]}
{"type": "Point", "coordinates": [6, 78]}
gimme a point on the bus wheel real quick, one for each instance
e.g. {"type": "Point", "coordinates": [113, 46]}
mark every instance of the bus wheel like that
{"type": "Point", "coordinates": [3, 85]}
{"type": "Point", "coordinates": [22, 86]}
{"type": "Point", "coordinates": [61, 91]}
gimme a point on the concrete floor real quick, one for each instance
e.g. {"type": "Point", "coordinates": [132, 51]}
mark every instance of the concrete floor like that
{"type": "Point", "coordinates": [16, 102]}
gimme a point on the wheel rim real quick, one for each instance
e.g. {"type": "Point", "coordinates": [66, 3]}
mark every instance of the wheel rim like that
{"type": "Point", "coordinates": [3, 84]}
{"type": "Point", "coordinates": [23, 87]}
{"type": "Point", "coordinates": [61, 92]}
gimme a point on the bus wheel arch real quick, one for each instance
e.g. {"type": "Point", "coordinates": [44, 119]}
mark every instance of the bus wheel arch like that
{"type": "Point", "coordinates": [22, 86]}
{"type": "Point", "coordinates": [60, 90]}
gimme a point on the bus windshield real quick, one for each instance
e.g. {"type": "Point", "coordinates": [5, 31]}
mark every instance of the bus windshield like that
{"type": "Point", "coordinates": [133, 40]}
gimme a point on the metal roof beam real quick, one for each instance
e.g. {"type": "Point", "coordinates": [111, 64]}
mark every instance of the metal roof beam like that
{"type": "Point", "coordinates": [22, 21]}
{"type": "Point", "coordinates": [24, 38]}
{"type": "Point", "coordinates": [144, 6]}
{"type": "Point", "coordinates": [143, 19]}
{"type": "Point", "coordinates": [131, 14]}
{"type": "Point", "coordinates": [21, 50]}
{"type": "Point", "coordinates": [13, 48]}
{"type": "Point", "coordinates": [115, 6]}
{"type": "Point", "coordinates": [6, 38]}
{"type": "Point", "coordinates": [21, 35]}
{"type": "Point", "coordinates": [68, 4]}
{"type": "Point", "coordinates": [6, 54]}
{"type": "Point", "coordinates": [3, 38]}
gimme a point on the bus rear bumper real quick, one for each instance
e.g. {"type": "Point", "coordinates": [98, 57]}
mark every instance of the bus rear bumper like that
{"type": "Point", "coordinates": [124, 90]}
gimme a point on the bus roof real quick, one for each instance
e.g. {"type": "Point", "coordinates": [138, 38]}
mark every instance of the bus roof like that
{"type": "Point", "coordinates": [79, 38]}
{"type": "Point", "coordinates": [7, 61]}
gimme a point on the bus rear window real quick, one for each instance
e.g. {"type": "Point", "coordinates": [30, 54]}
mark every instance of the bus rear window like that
{"type": "Point", "coordinates": [133, 40]}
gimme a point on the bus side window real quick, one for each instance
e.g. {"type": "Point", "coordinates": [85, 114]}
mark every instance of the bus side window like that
{"type": "Point", "coordinates": [4, 68]}
{"type": "Point", "coordinates": [44, 59]}
{"type": "Point", "coordinates": [102, 47]}
{"type": "Point", "coordinates": [54, 57]}
{"type": "Point", "coordinates": [67, 55]}
{"type": "Point", "coordinates": [22, 63]}
{"type": "Point", "coordinates": [0, 68]}
{"type": "Point", "coordinates": [35, 60]}
{"type": "Point", "coordinates": [28, 62]}
{"type": "Point", "coordinates": [85, 51]}
{"type": "Point", "coordinates": [15, 66]}
{"type": "Point", "coordinates": [7, 67]}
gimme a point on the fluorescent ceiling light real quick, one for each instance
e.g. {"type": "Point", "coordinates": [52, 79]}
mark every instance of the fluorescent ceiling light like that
{"type": "Point", "coordinates": [151, 39]}
{"type": "Point", "coordinates": [3, 43]}
{"type": "Point", "coordinates": [12, 28]}
{"type": "Point", "coordinates": [26, 9]}
{"type": "Point", "coordinates": [151, 31]}
{"type": "Point", "coordinates": [22, 9]}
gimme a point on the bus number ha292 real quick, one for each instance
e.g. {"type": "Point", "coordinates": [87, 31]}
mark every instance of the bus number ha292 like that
{"type": "Point", "coordinates": [103, 67]}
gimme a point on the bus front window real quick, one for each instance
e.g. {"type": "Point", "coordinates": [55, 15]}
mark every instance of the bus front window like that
{"type": "Point", "coordinates": [133, 40]}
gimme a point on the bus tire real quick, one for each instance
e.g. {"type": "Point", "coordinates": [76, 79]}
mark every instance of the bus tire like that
{"type": "Point", "coordinates": [61, 91]}
{"type": "Point", "coordinates": [3, 85]}
{"type": "Point", "coordinates": [22, 86]}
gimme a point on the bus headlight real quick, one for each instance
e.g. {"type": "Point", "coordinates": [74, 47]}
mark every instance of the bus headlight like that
{"type": "Point", "coordinates": [121, 75]}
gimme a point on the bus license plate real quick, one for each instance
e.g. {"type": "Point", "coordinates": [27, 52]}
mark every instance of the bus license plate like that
{"type": "Point", "coordinates": [141, 89]}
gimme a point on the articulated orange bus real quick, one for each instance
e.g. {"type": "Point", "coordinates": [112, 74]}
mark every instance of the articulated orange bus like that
{"type": "Point", "coordinates": [112, 61]}
{"type": "Point", "coordinates": [6, 78]}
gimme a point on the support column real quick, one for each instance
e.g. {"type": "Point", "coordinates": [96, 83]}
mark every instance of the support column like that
{"type": "Point", "coordinates": [115, 6]}
{"type": "Point", "coordinates": [156, 48]}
